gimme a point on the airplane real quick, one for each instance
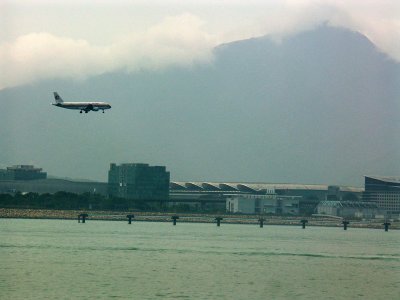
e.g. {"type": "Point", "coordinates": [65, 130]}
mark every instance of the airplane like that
{"type": "Point", "coordinates": [82, 106]}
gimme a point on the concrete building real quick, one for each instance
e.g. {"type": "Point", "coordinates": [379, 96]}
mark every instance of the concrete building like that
{"type": "Point", "coordinates": [51, 186]}
{"type": "Point", "coordinates": [198, 200]}
{"type": "Point", "coordinates": [385, 192]}
{"type": "Point", "coordinates": [4, 175]}
{"type": "Point", "coordinates": [214, 194]}
{"type": "Point", "coordinates": [138, 181]}
{"type": "Point", "coordinates": [348, 209]}
{"type": "Point", "coordinates": [22, 172]}
{"type": "Point", "coordinates": [333, 193]}
{"type": "Point", "coordinates": [266, 204]}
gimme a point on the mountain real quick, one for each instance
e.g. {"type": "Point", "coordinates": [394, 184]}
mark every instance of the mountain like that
{"type": "Point", "coordinates": [321, 106]}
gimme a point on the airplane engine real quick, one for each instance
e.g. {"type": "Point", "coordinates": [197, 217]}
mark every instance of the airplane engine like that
{"type": "Point", "coordinates": [95, 109]}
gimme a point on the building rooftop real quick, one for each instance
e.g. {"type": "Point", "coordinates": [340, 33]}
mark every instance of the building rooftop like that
{"type": "Point", "coordinates": [388, 179]}
{"type": "Point", "coordinates": [349, 204]}
{"type": "Point", "coordinates": [23, 168]}
{"type": "Point", "coordinates": [251, 187]}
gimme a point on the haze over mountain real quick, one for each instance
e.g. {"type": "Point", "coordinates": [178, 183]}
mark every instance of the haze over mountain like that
{"type": "Point", "coordinates": [322, 106]}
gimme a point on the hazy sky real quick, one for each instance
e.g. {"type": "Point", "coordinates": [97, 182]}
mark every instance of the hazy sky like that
{"type": "Point", "coordinates": [79, 39]}
{"type": "Point", "coordinates": [306, 112]}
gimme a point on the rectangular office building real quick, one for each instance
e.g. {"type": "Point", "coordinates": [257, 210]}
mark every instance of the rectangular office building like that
{"type": "Point", "coordinates": [138, 181]}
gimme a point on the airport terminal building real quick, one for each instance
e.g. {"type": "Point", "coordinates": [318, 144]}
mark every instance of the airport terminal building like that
{"type": "Point", "coordinates": [348, 209]}
{"type": "Point", "coordinates": [385, 192]}
{"type": "Point", "coordinates": [263, 204]}
{"type": "Point", "coordinates": [152, 183]}
{"type": "Point", "coordinates": [258, 197]}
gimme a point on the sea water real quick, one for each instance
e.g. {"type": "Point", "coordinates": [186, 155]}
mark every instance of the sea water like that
{"type": "Point", "coordinates": [61, 259]}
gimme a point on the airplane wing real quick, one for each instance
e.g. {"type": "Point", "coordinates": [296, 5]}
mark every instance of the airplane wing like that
{"type": "Point", "coordinates": [89, 107]}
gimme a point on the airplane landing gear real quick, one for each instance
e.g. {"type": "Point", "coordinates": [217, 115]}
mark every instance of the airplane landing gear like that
{"type": "Point", "coordinates": [80, 112]}
{"type": "Point", "coordinates": [103, 111]}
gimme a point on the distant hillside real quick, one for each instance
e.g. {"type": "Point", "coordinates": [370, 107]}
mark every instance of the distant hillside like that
{"type": "Point", "coordinates": [320, 107]}
{"type": "Point", "coordinates": [71, 179]}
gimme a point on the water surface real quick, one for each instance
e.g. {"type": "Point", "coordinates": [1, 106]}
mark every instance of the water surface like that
{"type": "Point", "coordinates": [56, 259]}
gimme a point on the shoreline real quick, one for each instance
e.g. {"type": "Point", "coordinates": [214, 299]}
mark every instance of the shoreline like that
{"type": "Point", "coordinates": [43, 214]}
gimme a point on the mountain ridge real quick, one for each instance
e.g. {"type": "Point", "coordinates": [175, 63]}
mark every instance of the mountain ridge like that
{"type": "Point", "coordinates": [321, 100]}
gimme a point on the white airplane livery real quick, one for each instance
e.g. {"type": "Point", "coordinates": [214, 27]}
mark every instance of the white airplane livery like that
{"type": "Point", "coordinates": [82, 106]}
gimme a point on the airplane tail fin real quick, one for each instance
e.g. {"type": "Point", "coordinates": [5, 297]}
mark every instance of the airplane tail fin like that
{"type": "Point", "coordinates": [58, 98]}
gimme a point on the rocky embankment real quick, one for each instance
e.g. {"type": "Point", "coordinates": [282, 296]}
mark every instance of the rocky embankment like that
{"type": "Point", "coordinates": [193, 218]}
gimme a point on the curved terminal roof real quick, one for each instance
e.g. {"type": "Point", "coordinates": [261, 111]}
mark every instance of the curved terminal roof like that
{"type": "Point", "coordinates": [177, 186]}
{"type": "Point", "coordinates": [350, 204]}
{"type": "Point", "coordinates": [228, 187]}
{"type": "Point", "coordinates": [209, 186]}
{"type": "Point", "coordinates": [193, 186]}
{"type": "Point", "coordinates": [252, 187]}
{"type": "Point", "coordinates": [388, 179]}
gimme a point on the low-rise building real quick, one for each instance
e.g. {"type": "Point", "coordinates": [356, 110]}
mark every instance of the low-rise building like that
{"type": "Point", "coordinates": [51, 186]}
{"type": "Point", "coordinates": [348, 209]}
{"type": "Point", "coordinates": [22, 172]}
{"type": "Point", "coordinates": [4, 175]}
{"type": "Point", "coordinates": [216, 193]}
{"type": "Point", "coordinates": [266, 204]}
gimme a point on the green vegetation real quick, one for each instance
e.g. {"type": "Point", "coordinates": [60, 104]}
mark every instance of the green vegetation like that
{"type": "Point", "coordinates": [65, 200]}
{"type": "Point", "coordinates": [89, 201]}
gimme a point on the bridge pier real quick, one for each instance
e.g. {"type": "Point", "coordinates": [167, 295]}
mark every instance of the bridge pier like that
{"type": "Point", "coordinates": [130, 217]}
{"type": "Point", "coordinates": [83, 216]}
{"type": "Point", "coordinates": [261, 221]}
{"type": "Point", "coordinates": [174, 218]}
{"type": "Point", "coordinates": [386, 224]}
{"type": "Point", "coordinates": [303, 223]}
{"type": "Point", "coordinates": [345, 223]}
{"type": "Point", "coordinates": [218, 219]}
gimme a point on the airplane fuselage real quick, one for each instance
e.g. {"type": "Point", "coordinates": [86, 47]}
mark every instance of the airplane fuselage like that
{"type": "Point", "coordinates": [84, 105]}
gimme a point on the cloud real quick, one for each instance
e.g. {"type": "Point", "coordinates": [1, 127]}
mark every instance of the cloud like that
{"type": "Point", "coordinates": [36, 56]}
{"type": "Point", "coordinates": [185, 39]}
{"type": "Point", "coordinates": [176, 41]}
{"type": "Point", "coordinates": [40, 56]}
{"type": "Point", "coordinates": [377, 20]}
